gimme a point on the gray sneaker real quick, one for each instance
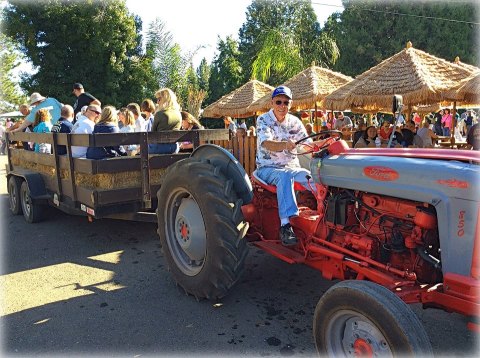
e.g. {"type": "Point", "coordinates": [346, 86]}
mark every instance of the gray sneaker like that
{"type": "Point", "coordinates": [287, 236]}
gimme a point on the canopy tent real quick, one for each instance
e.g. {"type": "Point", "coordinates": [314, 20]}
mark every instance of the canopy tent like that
{"type": "Point", "coordinates": [421, 79]}
{"type": "Point", "coordinates": [236, 103]}
{"type": "Point", "coordinates": [309, 88]}
{"type": "Point", "coordinates": [11, 114]}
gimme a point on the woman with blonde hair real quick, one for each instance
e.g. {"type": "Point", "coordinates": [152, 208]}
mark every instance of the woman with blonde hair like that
{"type": "Point", "coordinates": [126, 117]}
{"type": "Point", "coordinates": [42, 124]}
{"type": "Point", "coordinates": [166, 118]}
{"type": "Point", "coordinates": [108, 123]}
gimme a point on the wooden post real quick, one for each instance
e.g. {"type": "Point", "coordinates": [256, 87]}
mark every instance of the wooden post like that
{"type": "Point", "coordinates": [454, 120]}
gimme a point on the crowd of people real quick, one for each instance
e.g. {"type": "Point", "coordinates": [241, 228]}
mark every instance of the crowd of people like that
{"type": "Point", "coordinates": [86, 116]}
{"type": "Point", "coordinates": [46, 114]}
{"type": "Point", "coordinates": [414, 132]}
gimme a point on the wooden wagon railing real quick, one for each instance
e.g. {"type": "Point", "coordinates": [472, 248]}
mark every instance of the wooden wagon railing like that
{"type": "Point", "coordinates": [101, 183]}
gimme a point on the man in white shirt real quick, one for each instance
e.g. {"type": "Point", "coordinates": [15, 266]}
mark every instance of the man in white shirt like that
{"type": "Point", "coordinates": [92, 114]}
{"type": "Point", "coordinates": [277, 131]}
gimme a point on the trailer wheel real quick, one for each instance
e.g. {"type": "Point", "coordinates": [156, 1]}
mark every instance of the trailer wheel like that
{"type": "Point", "coordinates": [201, 228]}
{"type": "Point", "coordinates": [14, 184]}
{"type": "Point", "coordinates": [32, 212]}
{"type": "Point", "coordinates": [363, 318]}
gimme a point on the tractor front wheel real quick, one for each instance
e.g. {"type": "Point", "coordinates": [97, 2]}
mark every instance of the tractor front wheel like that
{"type": "Point", "coordinates": [363, 318]}
{"type": "Point", "coordinates": [201, 228]}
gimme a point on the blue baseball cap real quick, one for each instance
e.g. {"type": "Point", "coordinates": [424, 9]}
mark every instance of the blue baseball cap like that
{"type": "Point", "coordinates": [282, 90]}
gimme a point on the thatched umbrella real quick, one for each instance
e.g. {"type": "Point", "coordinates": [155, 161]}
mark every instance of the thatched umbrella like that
{"type": "Point", "coordinates": [468, 67]}
{"type": "Point", "coordinates": [236, 103]}
{"type": "Point", "coordinates": [309, 88]}
{"type": "Point", "coordinates": [419, 77]}
{"type": "Point", "coordinates": [469, 91]}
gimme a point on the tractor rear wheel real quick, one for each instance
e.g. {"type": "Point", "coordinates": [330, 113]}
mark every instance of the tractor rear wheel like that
{"type": "Point", "coordinates": [364, 318]}
{"type": "Point", "coordinates": [201, 228]}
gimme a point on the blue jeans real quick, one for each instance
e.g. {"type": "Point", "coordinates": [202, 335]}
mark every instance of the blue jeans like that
{"type": "Point", "coordinates": [283, 179]}
{"type": "Point", "coordinates": [163, 148]}
{"type": "Point", "coordinates": [446, 131]}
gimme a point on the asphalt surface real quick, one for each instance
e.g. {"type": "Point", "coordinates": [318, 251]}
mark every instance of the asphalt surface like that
{"type": "Point", "coordinates": [70, 287]}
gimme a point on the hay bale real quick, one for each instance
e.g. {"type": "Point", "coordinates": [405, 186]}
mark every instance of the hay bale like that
{"type": "Point", "coordinates": [107, 181]}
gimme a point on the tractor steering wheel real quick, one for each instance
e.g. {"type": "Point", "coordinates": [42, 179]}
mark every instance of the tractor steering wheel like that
{"type": "Point", "coordinates": [326, 135]}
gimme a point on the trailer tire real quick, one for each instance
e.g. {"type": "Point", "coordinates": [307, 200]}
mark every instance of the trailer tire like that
{"type": "Point", "coordinates": [14, 184]}
{"type": "Point", "coordinates": [201, 228]}
{"type": "Point", "coordinates": [32, 211]}
{"type": "Point", "coordinates": [364, 318]}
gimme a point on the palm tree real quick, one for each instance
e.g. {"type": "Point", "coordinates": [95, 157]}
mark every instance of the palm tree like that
{"type": "Point", "coordinates": [280, 56]}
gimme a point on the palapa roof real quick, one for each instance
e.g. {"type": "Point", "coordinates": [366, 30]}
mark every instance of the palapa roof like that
{"type": "Point", "coordinates": [469, 90]}
{"type": "Point", "coordinates": [236, 103]}
{"type": "Point", "coordinates": [419, 77]}
{"type": "Point", "coordinates": [468, 67]}
{"type": "Point", "coordinates": [308, 87]}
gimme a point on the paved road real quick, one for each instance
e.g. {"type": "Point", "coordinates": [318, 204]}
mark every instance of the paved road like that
{"type": "Point", "coordinates": [102, 288]}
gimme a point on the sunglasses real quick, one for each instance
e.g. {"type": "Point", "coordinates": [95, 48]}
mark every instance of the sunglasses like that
{"type": "Point", "coordinates": [279, 103]}
{"type": "Point", "coordinates": [94, 111]}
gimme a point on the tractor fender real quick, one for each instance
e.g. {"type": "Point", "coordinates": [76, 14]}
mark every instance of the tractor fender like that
{"type": "Point", "coordinates": [230, 167]}
{"type": "Point", "coordinates": [35, 183]}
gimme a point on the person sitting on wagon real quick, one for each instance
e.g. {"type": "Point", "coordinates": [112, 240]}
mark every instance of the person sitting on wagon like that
{"type": "Point", "coordinates": [277, 131]}
{"type": "Point", "coordinates": [42, 124]}
{"type": "Point", "coordinates": [64, 125]}
{"type": "Point", "coordinates": [166, 118]}
{"type": "Point", "coordinates": [108, 123]}
{"type": "Point", "coordinates": [189, 123]}
{"type": "Point", "coordinates": [85, 126]}
{"type": "Point", "coordinates": [37, 101]}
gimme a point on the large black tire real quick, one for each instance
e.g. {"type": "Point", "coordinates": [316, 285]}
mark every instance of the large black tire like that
{"type": "Point", "coordinates": [364, 318]}
{"type": "Point", "coordinates": [32, 211]}
{"type": "Point", "coordinates": [201, 228]}
{"type": "Point", "coordinates": [14, 184]}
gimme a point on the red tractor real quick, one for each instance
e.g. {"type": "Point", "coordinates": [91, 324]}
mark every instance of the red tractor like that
{"type": "Point", "coordinates": [397, 226]}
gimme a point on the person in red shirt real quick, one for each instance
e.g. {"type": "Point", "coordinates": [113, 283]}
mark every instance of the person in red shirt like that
{"type": "Point", "coordinates": [385, 131]}
{"type": "Point", "coordinates": [417, 119]}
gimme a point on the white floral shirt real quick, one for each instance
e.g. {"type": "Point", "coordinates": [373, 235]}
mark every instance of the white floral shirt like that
{"type": "Point", "coordinates": [268, 128]}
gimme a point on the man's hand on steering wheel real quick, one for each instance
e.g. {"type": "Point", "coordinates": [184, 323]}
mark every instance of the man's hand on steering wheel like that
{"type": "Point", "coordinates": [320, 144]}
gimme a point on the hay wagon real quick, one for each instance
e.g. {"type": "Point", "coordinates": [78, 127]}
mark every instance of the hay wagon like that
{"type": "Point", "coordinates": [118, 188]}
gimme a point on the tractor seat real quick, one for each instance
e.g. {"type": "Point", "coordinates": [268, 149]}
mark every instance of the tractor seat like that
{"type": "Point", "coordinates": [273, 188]}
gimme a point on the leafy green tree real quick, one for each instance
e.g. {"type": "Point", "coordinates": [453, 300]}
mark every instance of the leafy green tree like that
{"type": "Point", "coordinates": [203, 74]}
{"type": "Point", "coordinates": [226, 72]}
{"type": "Point", "coordinates": [93, 42]}
{"type": "Point", "coordinates": [281, 38]}
{"type": "Point", "coordinates": [10, 94]}
{"type": "Point", "coordinates": [368, 31]}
